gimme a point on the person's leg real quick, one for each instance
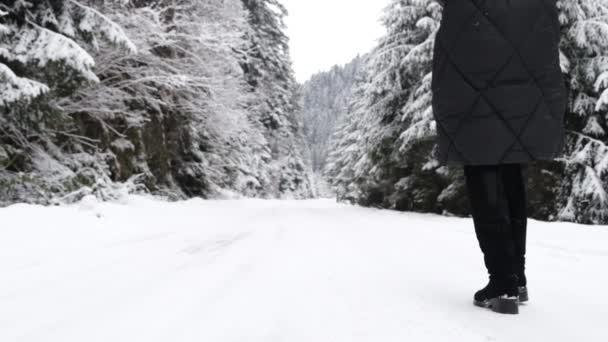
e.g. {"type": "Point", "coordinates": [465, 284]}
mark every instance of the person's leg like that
{"type": "Point", "coordinates": [515, 176]}
{"type": "Point", "coordinates": [515, 186]}
{"type": "Point", "coordinates": [491, 218]}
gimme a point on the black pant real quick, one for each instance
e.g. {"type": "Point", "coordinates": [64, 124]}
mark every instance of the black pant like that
{"type": "Point", "coordinates": [498, 198]}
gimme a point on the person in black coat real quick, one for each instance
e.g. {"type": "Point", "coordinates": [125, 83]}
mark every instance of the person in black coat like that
{"type": "Point", "coordinates": [499, 100]}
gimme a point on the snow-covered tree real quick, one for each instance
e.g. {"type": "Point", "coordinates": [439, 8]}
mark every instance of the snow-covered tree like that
{"type": "Point", "coordinates": [388, 148]}
{"type": "Point", "coordinates": [275, 97]}
{"type": "Point", "coordinates": [178, 116]}
{"type": "Point", "coordinates": [402, 166]}
{"type": "Point", "coordinates": [40, 40]}
{"type": "Point", "coordinates": [394, 133]}
{"type": "Point", "coordinates": [583, 195]}
{"type": "Point", "coordinates": [180, 106]}
{"type": "Point", "coordinates": [45, 49]}
{"type": "Point", "coordinates": [324, 101]}
{"type": "Point", "coordinates": [348, 146]}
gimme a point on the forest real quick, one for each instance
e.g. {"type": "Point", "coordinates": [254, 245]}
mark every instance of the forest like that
{"type": "Point", "coordinates": [190, 98]}
{"type": "Point", "coordinates": [383, 152]}
{"type": "Point", "coordinates": [175, 98]}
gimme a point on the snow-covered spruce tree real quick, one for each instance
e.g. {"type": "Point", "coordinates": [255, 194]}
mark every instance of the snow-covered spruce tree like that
{"type": "Point", "coordinates": [399, 167]}
{"type": "Point", "coordinates": [44, 54]}
{"type": "Point", "coordinates": [176, 112]}
{"type": "Point", "coordinates": [324, 101]}
{"type": "Point", "coordinates": [41, 41]}
{"type": "Point", "coordinates": [583, 195]}
{"type": "Point", "coordinates": [348, 145]}
{"type": "Point", "coordinates": [275, 97]}
{"type": "Point", "coordinates": [389, 162]}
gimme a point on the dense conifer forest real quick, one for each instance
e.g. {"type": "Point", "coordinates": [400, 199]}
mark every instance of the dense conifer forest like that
{"type": "Point", "coordinates": [177, 98]}
{"type": "Point", "coordinates": [198, 99]}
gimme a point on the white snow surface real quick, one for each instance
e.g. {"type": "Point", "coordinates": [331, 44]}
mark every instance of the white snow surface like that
{"type": "Point", "coordinates": [255, 270]}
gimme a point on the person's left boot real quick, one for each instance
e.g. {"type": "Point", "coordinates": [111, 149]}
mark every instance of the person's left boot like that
{"type": "Point", "coordinates": [501, 295]}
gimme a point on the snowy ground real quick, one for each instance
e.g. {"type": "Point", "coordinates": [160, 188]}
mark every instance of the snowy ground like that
{"type": "Point", "coordinates": [308, 271]}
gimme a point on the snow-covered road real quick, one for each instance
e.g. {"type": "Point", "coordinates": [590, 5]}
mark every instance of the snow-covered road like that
{"type": "Point", "coordinates": [293, 271]}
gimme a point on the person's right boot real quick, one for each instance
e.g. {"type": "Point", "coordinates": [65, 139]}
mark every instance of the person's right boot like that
{"type": "Point", "coordinates": [522, 287]}
{"type": "Point", "coordinates": [519, 264]}
{"type": "Point", "coordinates": [502, 292]}
{"type": "Point", "coordinates": [501, 295]}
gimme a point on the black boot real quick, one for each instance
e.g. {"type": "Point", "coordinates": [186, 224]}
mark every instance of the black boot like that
{"type": "Point", "coordinates": [522, 287]}
{"type": "Point", "coordinates": [523, 294]}
{"type": "Point", "coordinates": [500, 295]}
{"type": "Point", "coordinates": [502, 292]}
{"type": "Point", "coordinates": [519, 232]}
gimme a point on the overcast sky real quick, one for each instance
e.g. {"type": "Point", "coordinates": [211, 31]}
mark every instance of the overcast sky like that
{"type": "Point", "coordinates": [328, 32]}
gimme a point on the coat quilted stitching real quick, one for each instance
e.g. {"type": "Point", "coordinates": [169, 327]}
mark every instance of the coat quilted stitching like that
{"type": "Point", "coordinates": [498, 92]}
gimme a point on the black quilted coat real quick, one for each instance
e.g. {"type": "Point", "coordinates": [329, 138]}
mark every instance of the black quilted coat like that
{"type": "Point", "coordinates": [498, 91]}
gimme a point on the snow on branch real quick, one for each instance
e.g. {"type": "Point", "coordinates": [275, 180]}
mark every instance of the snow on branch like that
{"type": "Point", "coordinates": [35, 44]}
{"type": "Point", "coordinates": [13, 87]}
{"type": "Point", "coordinates": [594, 127]}
{"type": "Point", "coordinates": [4, 30]}
{"type": "Point", "coordinates": [601, 86]}
{"type": "Point", "coordinates": [590, 183]}
{"type": "Point", "coordinates": [590, 35]}
{"type": "Point", "coordinates": [603, 101]}
{"type": "Point", "coordinates": [564, 62]}
{"type": "Point", "coordinates": [92, 22]}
